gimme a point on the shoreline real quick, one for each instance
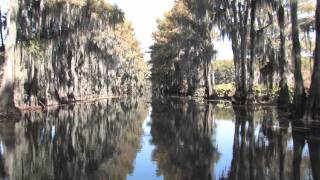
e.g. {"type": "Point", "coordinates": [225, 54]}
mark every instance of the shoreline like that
{"type": "Point", "coordinates": [66, 103]}
{"type": "Point", "coordinates": [223, 99]}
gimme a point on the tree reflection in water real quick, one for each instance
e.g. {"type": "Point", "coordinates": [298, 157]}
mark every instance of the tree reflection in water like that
{"type": "Point", "coordinates": [182, 131]}
{"type": "Point", "coordinates": [190, 138]}
{"type": "Point", "coordinates": [268, 154]}
{"type": "Point", "coordinates": [88, 141]}
{"type": "Point", "coordinates": [264, 148]}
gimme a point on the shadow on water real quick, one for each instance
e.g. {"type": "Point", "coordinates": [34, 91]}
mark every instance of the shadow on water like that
{"type": "Point", "coordinates": [182, 139]}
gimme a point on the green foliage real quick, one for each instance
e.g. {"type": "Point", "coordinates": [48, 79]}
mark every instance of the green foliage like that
{"type": "Point", "coordinates": [121, 43]}
{"type": "Point", "coordinates": [182, 45]}
{"type": "Point", "coordinates": [260, 90]}
{"type": "Point", "coordinates": [224, 90]}
{"type": "Point", "coordinates": [223, 71]}
{"type": "Point", "coordinates": [34, 48]}
{"type": "Point", "coordinates": [228, 90]}
{"type": "Point", "coordinates": [100, 8]}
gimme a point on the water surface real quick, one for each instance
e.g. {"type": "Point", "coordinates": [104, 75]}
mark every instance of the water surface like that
{"type": "Point", "coordinates": [172, 139]}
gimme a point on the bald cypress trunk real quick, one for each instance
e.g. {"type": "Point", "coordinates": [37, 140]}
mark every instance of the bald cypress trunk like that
{"type": "Point", "coordinates": [7, 108]}
{"type": "Point", "coordinates": [284, 98]}
{"type": "Point", "coordinates": [243, 52]}
{"type": "Point", "coordinates": [235, 50]}
{"type": "Point", "coordinates": [239, 47]}
{"type": "Point", "coordinates": [313, 106]}
{"type": "Point", "coordinates": [250, 97]}
{"type": "Point", "coordinates": [208, 80]}
{"type": "Point", "coordinates": [299, 92]}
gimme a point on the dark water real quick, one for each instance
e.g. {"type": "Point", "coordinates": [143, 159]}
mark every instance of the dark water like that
{"type": "Point", "coordinates": [172, 139]}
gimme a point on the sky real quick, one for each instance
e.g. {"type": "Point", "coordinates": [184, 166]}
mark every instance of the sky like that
{"type": "Point", "coordinates": [3, 4]}
{"type": "Point", "coordinates": [144, 13]}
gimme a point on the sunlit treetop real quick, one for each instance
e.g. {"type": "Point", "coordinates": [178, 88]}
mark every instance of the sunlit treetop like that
{"type": "Point", "coordinates": [98, 6]}
{"type": "Point", "coordinates": [171, 24]}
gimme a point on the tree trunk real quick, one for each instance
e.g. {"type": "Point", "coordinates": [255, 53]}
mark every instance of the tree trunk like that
{"type": "Point", "coordinates": [313, 107]}
{"type": "Point", "coordinates": [7, 109]}
{"type": "Point", "coordinates": [243, 48]}
{"type": "Point", "coordinates": [1, 35]}
{"type": "Point", "coordinates": [250, 97]}
{"type": "Point", "coordinates": [235, 50]}
{"type": "Point", "coordinates": [299, 93]}
{"type": "Point", "coordinates": [208, 82]}
{"type": "Point", "coordinates": [284, 98]}
{"type": "Point", "coordinates": [108, 79]}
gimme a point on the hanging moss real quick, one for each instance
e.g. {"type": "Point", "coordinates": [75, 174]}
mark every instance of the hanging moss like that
{"type": "Point", "coordinates": [50, 3]}
{"type": "Point", "coordinates": [34, 48]}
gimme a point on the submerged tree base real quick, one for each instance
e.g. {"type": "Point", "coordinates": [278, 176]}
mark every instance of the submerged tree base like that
{"type": "Point", "coordinates": [284, 98]}
{"type": "Point", "coordinates": [10, 114]}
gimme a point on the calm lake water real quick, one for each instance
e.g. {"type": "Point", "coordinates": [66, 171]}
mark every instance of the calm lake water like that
{"type": "Point", "coordinates": [171, 139]}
